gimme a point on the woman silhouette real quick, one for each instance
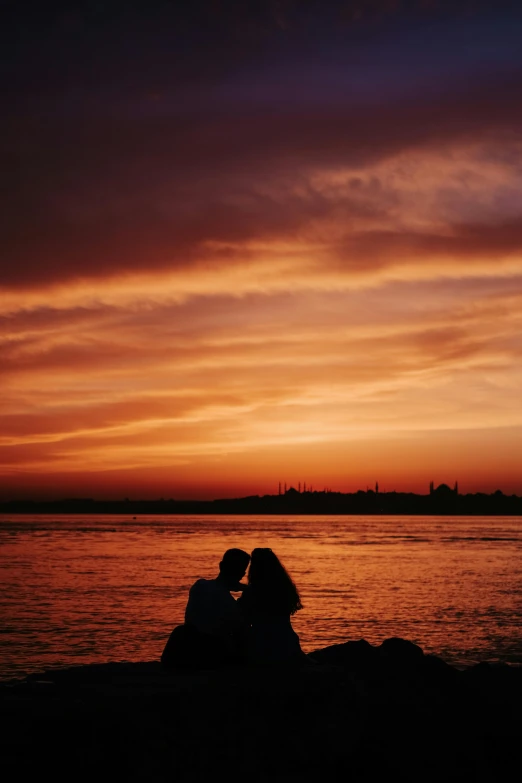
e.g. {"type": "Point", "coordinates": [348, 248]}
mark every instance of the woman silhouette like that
{"type": "Point", "coordinates": [268, 602]}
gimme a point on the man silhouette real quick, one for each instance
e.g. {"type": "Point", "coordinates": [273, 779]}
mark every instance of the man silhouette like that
{"type": "Point", "coordinates": [214, 631]}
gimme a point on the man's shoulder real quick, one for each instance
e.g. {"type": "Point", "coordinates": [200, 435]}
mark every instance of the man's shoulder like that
{"type": "Point", "coordinates": [203, 585]}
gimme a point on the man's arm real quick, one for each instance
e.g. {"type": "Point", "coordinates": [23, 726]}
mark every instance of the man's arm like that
{"type": "Point", "coordinates": [195, 609]}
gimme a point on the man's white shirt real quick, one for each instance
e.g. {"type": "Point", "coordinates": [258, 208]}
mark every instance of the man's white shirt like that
{"type": "Point", "coordinates": [211, 608]}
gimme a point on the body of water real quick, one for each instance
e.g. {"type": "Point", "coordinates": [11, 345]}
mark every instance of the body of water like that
{"type": "Point", "coordinates": [91, 589]}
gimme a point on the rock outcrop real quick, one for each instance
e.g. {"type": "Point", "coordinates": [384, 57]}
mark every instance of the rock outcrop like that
{"type": "Point", "coordinates": [356, 712]}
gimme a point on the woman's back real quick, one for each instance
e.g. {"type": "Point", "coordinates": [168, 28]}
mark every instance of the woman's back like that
{"type": "Point", "coordinates": [268, 602]}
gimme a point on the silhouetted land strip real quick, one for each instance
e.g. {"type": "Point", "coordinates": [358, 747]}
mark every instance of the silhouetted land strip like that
{"type": "Point", "coordinates": [361, 713]}
{"type": "Point", "coordinates": [442, 500]}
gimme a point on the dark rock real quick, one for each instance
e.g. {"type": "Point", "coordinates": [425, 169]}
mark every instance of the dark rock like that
{"type": "Point", "coordinates": [401, 651]}
{"type": "Point", "coordinates": [359, 713]}
{"type": "Point", "coordinates": [394, 661]}
{"type": "Point", "coordinates": [355, 655]}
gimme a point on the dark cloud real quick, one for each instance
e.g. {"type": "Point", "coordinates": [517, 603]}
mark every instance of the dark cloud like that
{"type": "Point", "coordinates": [460, 242]}
{"type": "Point", "coordinates": [132, 151]}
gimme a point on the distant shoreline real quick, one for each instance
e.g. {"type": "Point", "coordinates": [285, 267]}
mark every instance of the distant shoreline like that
{"type": "Point", "coordinates": [441, 501]}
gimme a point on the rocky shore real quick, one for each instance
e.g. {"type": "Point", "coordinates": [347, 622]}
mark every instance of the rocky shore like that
{"type": "Point", "coordinates": [355, 712]}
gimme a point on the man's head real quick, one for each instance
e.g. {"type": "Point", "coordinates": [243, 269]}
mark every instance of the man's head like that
{"type": "Point", "coordinates": [233, 566]}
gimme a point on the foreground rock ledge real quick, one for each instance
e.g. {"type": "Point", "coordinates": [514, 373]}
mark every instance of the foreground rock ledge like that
{"type": "Point", "coordinates": [356, 713]}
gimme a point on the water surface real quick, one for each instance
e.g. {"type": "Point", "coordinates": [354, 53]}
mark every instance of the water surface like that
{"type": "Point", "coordinates": [82, 589]}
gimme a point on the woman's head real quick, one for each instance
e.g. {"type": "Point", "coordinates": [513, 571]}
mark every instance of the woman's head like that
{"type": "Point", "coordinates": [271, 581]}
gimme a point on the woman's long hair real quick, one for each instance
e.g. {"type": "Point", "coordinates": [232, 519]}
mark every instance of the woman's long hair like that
{"type": "Point", "coordinates": [271, 586]}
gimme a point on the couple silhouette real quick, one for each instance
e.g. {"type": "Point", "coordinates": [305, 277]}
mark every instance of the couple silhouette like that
{"type": "Point", "coordinates": [220, 630]}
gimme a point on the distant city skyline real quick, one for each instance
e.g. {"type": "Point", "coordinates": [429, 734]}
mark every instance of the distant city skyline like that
{"type": "Point", "coordinates": [441, 499]}
{"type": "Point", "coordinates": [282, 489]}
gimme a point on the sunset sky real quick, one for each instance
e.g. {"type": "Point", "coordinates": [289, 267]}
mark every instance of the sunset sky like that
{"type": "Point", "coordinates": [256, 242]}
